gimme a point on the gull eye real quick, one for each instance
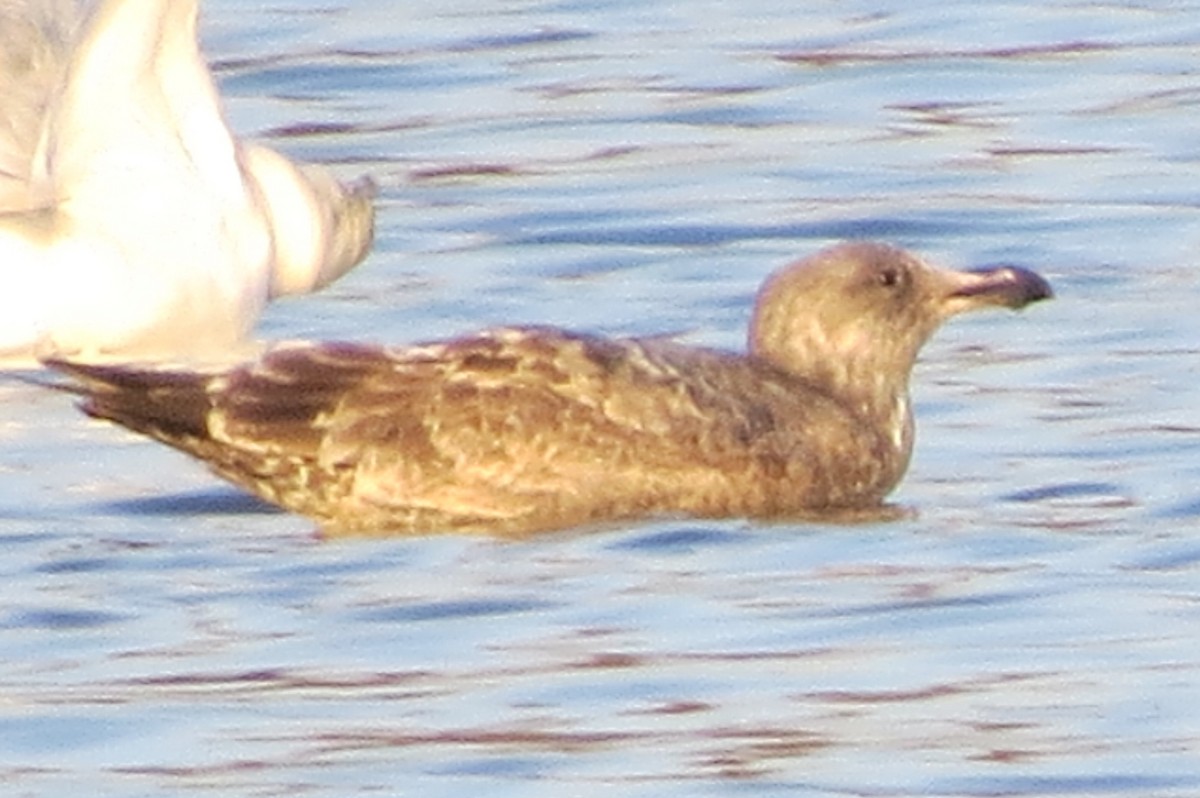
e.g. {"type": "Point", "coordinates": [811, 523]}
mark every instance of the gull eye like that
{"type": "Point", "coordinates": [889, 278]}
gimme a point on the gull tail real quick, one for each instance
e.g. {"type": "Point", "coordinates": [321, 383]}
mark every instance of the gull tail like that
{"type": "Point", "coordinates": [170, 406]}
{"type": "Point", "coordinates": [321, 228]}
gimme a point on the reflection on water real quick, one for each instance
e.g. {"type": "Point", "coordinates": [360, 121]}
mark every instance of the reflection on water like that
{"type": "Point", "coordinates": [638, 167]}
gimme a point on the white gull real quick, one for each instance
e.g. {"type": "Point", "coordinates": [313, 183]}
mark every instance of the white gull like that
{"type": "Point", "coordinates": [133, 223]}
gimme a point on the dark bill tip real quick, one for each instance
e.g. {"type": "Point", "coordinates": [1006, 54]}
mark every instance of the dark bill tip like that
{"type": "Point", "coordinates": [1010, 286]}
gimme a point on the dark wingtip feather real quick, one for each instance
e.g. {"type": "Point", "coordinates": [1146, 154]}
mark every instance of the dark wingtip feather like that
{"type": "Point", "coordinates": [146, 399]}
{"type": "Point", "coordinates": [49, 381]}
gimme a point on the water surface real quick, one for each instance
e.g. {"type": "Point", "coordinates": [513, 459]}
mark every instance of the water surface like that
{"type": "Point", "coordinates": [638, 167]}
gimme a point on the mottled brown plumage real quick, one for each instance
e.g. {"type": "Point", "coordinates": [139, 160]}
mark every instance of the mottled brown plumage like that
{"type": "Point", "coordinates": [520, 430]}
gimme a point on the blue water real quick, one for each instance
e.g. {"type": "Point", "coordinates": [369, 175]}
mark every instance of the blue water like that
{"type": "Point", "coordinates": [638, 167]}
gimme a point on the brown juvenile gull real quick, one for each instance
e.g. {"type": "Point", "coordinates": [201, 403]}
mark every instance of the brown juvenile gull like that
{"type": "Point", "coordinates": [526, 429]}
